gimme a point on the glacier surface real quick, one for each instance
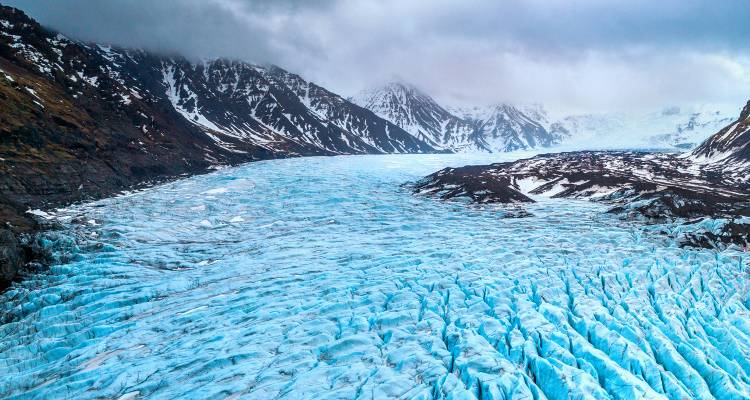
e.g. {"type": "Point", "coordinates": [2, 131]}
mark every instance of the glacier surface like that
{"type": "Point", "coordinates": [322, 277]}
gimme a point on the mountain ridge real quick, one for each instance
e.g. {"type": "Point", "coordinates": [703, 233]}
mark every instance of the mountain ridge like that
{"type": "Point", "coordinates": [507, 127]}
{"type": "Point", "coordinates": [417, 113]}
{"type": "Point", "coordinates": [729, 145]}
{"type": "Point", "coordinates": [496, 128]}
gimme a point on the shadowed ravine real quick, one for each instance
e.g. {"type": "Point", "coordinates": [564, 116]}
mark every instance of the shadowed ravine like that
{"type": "Point", "coordinates": [302, 277]}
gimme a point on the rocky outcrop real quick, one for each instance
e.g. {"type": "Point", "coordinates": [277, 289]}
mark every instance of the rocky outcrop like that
{"type": "Point", "coordinates": [476, 183]}
{"type": "Point", "coordinates": [12, 256]}
{"type": "Point", "coordinates": [729, 149]}
{"type": "Point", "coordinates": [650, 187]}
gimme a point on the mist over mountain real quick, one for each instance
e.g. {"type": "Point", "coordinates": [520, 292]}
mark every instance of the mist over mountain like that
{"type": "Point", "coordinates": [582, 58]}
{"type": "Point", "coordinates": [509, 127]}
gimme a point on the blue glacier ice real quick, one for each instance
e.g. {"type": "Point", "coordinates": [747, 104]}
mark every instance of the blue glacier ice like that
{"type": "Point", "coordinates": [324, 278]}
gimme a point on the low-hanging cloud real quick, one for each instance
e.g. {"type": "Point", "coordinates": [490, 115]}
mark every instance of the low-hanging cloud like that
{"type": "Point", "coordinates": [580, 55]}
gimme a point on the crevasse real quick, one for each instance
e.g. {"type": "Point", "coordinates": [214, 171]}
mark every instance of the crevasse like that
{"type": "Point", "coordinates": [323, 278]}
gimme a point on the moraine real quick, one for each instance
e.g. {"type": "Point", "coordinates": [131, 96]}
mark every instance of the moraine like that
{"type": "Point", "coordinates": [323, 277]}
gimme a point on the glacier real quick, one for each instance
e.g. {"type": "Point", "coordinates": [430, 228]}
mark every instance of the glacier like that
{"type": "Point", "coordinates": [323, 277]}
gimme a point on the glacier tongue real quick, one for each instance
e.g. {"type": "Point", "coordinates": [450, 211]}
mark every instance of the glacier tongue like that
{"type": "Point", "coordinates": [322, 278]}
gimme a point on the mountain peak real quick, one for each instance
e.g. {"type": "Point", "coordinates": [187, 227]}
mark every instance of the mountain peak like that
{"type": "Point", "coordinates": [400, 92]}
{"type": "Point", "coordinates": [730, 143]}
{"type": "Point", "coordinates": [414, 111]}
{"type": "Point", "coordinates": [495, 128]}
{"type": "Point", "coordinates": [13, 14]}
{"type": "Point", "coordinates": [745, 113]}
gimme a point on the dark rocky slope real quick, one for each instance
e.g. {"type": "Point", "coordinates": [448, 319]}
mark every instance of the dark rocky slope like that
{"type": "Point", "coordinates": [81, 121]}
{"type": "Point", "coordinates": [728, 151]}
{"type": "Point", "coordinates": [709, 183]}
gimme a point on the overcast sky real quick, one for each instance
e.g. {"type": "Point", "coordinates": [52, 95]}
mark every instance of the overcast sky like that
{"type": "Point", "coordinates": [571, 56]}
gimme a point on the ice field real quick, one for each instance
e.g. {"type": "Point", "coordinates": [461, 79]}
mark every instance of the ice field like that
{"type": "Point", "coordinates": [322, 277]}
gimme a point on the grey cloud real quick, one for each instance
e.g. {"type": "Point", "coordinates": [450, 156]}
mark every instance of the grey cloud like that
{"type": "Point", "coordinates": [577, 55]}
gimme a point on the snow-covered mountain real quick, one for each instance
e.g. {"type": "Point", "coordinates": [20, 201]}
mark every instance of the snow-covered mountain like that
{"type": "Point", "coordinates": [673, 127]}
{"type": "Point", "coordinates": [693, 126]}
{"type": "Point", "coordinates": [239, 107]}
{"type": "Point", "coordinates": [235, 102]}
{"type": "Point", "coordinates": [496, 128]}
{"type": "Point", "coordinates": [420, 115]}
{"type": "Point", "coordinates": [505, 127]}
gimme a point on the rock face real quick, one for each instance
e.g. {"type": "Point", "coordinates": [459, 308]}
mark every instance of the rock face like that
{"type": "Point", "coordinates": [81, 121]}
{"type": "Point", "coordinates": [709, 183]}
{"type": "Point", "coordinates": [11, 256]}
{"type": "Point", "coordinates": [728, 150]}
{"type": "Point", "coordinates": [476, 183]}
{"type": "Point", "coordinates": [657, 186]}
{"type": "Point", "coordinates": [498, 128]}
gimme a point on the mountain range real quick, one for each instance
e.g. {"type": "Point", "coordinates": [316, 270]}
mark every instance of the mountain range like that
{"type": "Point", "coordinates": [497, 128]}
{"type": "Point", "coordinates": [507, 127]}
